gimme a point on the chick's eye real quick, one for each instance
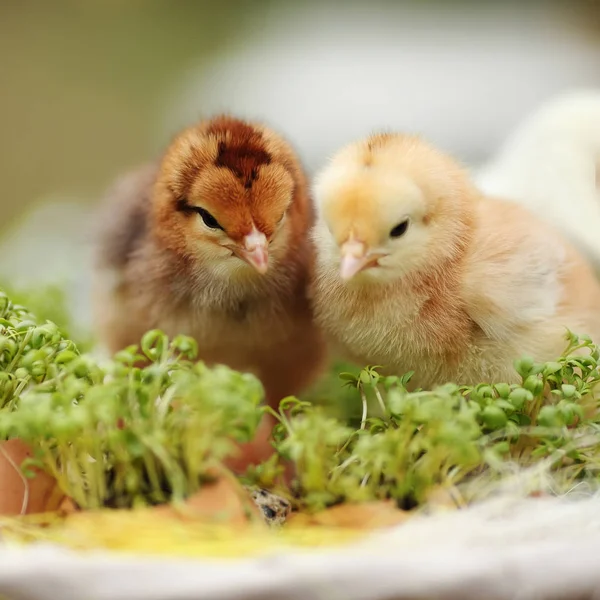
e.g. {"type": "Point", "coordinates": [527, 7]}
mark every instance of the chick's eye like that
{"type": "Point", "coordinates": [208, 219]}
{"type": "Point", "coordinates": [400, 229]}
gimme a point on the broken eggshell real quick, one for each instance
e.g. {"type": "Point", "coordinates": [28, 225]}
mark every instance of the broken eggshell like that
{"type": "Point", "coordinates": [21, 495]}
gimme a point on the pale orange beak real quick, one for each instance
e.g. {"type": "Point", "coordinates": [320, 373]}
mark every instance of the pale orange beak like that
{"type": "Point", "coordinates": [356, 258]}
{"type": "Point", "coordinates": [255, 251]}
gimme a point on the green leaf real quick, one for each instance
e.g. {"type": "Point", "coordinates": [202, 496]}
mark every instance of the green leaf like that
{"type": "Point", "coordinates": [503, 389]}
{"type": "Point", "coordinates": [519, 397]}
{"type": "Point", "coordinates": [549, 417]}
{"type": "Point", "coordinates": [524, 366]}
{"type": "Point", "coordinates": [493, 417]}
{"type": "Point", "coordinates": [365, 377]}
{"type": "Point", "coordinates": [534, 384]}
{"type": "Point", "coordinates": [504, 405]}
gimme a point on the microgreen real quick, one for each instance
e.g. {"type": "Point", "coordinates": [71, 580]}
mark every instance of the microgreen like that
{"type": "Point", "coordinates": [153, 424]}
{"type": "Point", "coordinates": [121, 434]}
{"type": "Point", "coordinates": [421, 440]}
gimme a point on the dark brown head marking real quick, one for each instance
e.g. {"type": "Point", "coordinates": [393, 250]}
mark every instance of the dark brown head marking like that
{"type": "Point", "coordinates": [243, 152]}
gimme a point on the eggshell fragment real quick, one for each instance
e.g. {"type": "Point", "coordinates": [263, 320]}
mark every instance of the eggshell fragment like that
{"type": "Point", "coordinates": [367, 515]}
{"type": "Point", "coordinates": [21, 495]}
{"type": "Point", "coordinates": [222, 501]}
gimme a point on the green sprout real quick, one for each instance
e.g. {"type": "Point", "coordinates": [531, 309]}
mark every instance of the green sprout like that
{"type": "Point", "coordinates": [446, 437]}
{"type": "Point", "coordinates": [154, 424]}
{"type": "Point", "coordinates": [121, 434]}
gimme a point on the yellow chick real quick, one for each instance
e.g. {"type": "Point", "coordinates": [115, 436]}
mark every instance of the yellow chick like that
{"type": "Point", "coordinates": [417, 270]}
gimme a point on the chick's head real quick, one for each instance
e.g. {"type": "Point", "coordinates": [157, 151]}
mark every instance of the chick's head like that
{"type": "Point", "coordinates": [389, 206]}
{"type": "Point", "coordinates": [224, 196]}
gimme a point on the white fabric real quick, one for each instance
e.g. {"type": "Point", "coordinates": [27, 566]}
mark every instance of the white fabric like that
{"type": "Point", "coordinates": [527, 549]}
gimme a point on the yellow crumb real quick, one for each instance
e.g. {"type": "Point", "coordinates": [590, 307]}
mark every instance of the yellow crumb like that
{"type": "Point", "coordinates": [146, 532]}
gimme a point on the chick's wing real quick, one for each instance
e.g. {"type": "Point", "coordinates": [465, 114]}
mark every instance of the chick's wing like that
{"type": "Point", "coordinates": [513, 272]}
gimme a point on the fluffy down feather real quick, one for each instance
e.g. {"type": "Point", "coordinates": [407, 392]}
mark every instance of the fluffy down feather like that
{"type": "Point", "coordinates": [211, 241]}
{"type": "Point", "coordinates": [417, 270]}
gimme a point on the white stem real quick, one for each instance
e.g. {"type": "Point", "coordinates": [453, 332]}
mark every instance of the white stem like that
{"type": "Point", "coordinates": [380, 400]}
{"type": "Point", "coordinates": [363, 421]}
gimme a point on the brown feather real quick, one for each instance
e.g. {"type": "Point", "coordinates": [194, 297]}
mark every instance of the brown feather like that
{"type": "Point", "coordinates": [159, 268]}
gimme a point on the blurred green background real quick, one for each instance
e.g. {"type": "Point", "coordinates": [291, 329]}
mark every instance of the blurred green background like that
{"type": "Point", "coordinates": [83, 82]}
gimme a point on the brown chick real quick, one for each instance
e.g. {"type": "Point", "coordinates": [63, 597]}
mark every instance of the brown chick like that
{"type": "Point", "coordinates": [211, 242]}
{"type": "Point", "coordinates": [416, 270]}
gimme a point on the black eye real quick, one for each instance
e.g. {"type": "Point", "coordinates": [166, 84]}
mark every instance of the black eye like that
{"type": "Point", "coordinates": [400, 229]}
{"type": "Point", "coordinates": [208, 219]}
{"type": "Point", "coordinates": [185, 207]}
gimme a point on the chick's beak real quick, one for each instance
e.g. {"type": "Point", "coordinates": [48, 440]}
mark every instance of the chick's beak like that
{"type": "Point", "coordinates": [354, 259]}
{"type": "Point", "coordinates": [255, 251]}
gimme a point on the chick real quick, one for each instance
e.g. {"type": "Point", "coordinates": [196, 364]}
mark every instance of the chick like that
{"type": "Point", "coordinates": [417, 270]}
{"type": "Point", "coordinates": [211, 241]}
{"type": "Point", "coordinates": [550, 164]}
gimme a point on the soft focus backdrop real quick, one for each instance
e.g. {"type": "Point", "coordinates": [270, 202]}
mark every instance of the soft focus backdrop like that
{"type": "Point", "coordinates": [90, 89]}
